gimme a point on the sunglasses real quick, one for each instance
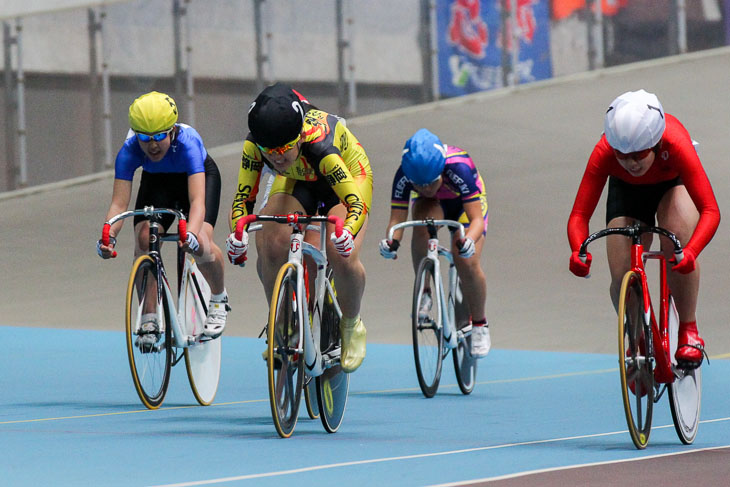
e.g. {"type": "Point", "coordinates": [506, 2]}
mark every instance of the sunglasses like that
{"type": "Point", "coordinates": [156, 137]}
{"type": "Point", "coordinates": [279, 150]}
{"type": "Point", "coordinates": [637, 156]}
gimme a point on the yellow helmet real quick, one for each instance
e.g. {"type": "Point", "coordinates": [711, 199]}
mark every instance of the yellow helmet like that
{"type": "Point", "coordinates": [152, 112]}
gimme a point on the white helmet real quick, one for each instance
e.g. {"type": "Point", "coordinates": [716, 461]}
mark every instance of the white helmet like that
{"type": "Point", "coordinates": [634, 122]}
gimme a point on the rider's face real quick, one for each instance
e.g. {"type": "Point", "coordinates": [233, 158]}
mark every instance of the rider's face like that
{"type": "Point", "coordinates": [283, 161]}
{"type": "Point", "coordinates": [428, 190]}
{"type": "Point", "coordinates": [636, 163]}
{"type": "Point", "coordinates": [155, 150]}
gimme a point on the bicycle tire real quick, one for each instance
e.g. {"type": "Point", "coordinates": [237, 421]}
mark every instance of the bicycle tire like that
{"type": "Point", "coordinates": [202, 358]}
{"type": "Point", "coordinates": [310, 397]}
{"type": "Point", "coordinates": [634, 350]}
{"type": "Point", "coordinates": [334, 384]}
{"type": "Point", "coordinates": [428, 331]}
{"type": "Point", "coordinates": [465, 366]}
{"type": "Point", "coordinates": [150, 365]}
{"type": "Point", "coordinates": [286, 373]}
{"type": "Point", "coordinates": [685, 394]}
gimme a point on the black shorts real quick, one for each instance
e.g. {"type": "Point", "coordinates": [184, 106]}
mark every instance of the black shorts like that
{"type": "Point", "coordinates": [316, 197]}
{"type": "Point", "coordinates": [637, 201]}
{"type": "Point", "coordinates": [170, 190]}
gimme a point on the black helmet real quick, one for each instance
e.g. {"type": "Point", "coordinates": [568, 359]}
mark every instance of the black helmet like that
{"type": "Point", "coordinates": [276, 117]}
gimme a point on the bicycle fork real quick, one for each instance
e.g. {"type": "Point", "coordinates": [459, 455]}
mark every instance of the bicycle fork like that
{"type": "Point", "coordinates": [450, 341]}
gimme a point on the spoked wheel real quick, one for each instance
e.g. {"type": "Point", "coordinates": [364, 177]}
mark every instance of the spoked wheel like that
{"type": "Point", "coordinates": [334, 384]}
{"type": "Point", "coordinates": [685, 394]}
{"type": "Point", "coordinates": [150, 354]}
{"type": "Point", "coordinates": [428, 331]}
{"type": "Point", "coordinates": [285, 363]}
{"type": "Point", "coordinates": [203, 358]}
{"type": "Point", "coordinates": [465, 365]}
{"type": "Point", "coordinates": [634, 347]}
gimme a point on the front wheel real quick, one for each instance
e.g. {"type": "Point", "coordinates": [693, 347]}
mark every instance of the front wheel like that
{"type": "Point", "coordinates": [634, 354]}
{"type": "Point", "coordinates": [427, 327]}
{"type": "Point", "coordinates": [285, 362]}
{"type": "Point", "coordinates": [150, 354]}
{"type": "Point", "coordinates": [465, 365]}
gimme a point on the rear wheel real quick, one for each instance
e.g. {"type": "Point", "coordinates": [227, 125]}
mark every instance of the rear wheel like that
{"type": "Point", "coordinates": [150, 359]}
{"type": "Point", "coordinates": [285, 362]}
{"type": "Point", "coordinates": [634, 348]}
{"type": "Point", "coordinates": [427, 327]}
{"type": "Point", "coordinates": [334, 384]}
{"type": "Point", "coordinates": [465, 365]}
{"type": "Point", "coordinates": [685, 393]}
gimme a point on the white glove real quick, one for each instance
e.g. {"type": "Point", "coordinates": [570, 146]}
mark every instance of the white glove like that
{"type": "Point", "coordinates": [467, 248]}
{"type": "Point", "coordinates": [389, 249]}
{"type": "Point", "coordinates": [345, 243]}
{"type": "Point", "coordinates": [112, 243]}
{"type": "Point", "coordinates": [192, 242]}
{"type": "Point", "coordinates": [237, 249]}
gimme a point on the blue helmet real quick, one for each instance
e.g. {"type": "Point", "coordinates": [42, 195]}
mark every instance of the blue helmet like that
{"type": "Point", "coordinates": [424, 158]}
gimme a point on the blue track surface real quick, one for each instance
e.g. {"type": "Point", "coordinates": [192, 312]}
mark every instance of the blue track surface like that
{"type": "Point", "coordinates": [69, 415]}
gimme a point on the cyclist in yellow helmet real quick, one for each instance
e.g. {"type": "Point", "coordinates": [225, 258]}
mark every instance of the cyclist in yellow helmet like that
{"type": "Point", "coordinates": [177, 172]}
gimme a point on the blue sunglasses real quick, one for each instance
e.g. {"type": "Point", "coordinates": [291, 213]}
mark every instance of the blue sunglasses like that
{"type": "Point", "coordinates": [156, 137]}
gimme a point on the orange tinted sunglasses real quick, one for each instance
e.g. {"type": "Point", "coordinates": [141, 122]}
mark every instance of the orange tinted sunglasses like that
{"type": "Point", "coordinates": [637, 156]}
{"type": "Point", "coordinates": [279, 150]}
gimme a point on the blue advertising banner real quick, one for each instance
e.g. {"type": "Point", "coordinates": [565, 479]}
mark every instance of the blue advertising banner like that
{"type": "Point", "coordinates": [470, 44]}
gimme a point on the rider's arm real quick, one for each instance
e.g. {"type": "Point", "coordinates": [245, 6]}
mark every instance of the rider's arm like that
{"type": "Point", "coordinates": [196, 194]}
{"type": "Point", "coordinates": [473, 210]}
{"type": "Point", "coordinates": [589, 192]}
{"type": "Point", "coordinates": [340, 179]}
{"type": "Point", "coordinates": [397, 215]}
{"type": "Point", "coordinates": [249, 175]}
{"type": "Point", "coordinates": [121, 195]}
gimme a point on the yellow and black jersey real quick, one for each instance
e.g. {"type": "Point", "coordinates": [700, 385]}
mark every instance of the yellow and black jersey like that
{"type": "Point", "coordinates": [330, 152]}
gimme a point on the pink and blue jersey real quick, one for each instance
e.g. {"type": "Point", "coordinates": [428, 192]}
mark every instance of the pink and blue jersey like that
{"type": "Point", "coordinates": [187, 155]}
{"type": "Point", "coordinates": [462, 183]}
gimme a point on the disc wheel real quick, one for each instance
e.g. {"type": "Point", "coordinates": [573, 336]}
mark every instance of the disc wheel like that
{"type": "Point", "coordinates": [284, 362]}
{"type": "Point", "coordinates": [334, 384]}
{"type": "Point", "coordinates": [428, 331]}
{"type": "Point", "coordinates": [465, 365]}
{"type": "Point", "coordinates": [149, 363]}
{"type": "Point", "coordinates": [634, 351]}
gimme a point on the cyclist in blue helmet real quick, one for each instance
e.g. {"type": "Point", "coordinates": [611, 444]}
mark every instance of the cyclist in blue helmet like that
{"type": "Point", "coordinates": [440, 181]}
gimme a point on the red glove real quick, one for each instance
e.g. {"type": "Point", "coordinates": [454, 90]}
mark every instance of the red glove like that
{"type": "Point", "coordinates": [578, 267]}
{"type": "Point", "coordinates": [687, 264]}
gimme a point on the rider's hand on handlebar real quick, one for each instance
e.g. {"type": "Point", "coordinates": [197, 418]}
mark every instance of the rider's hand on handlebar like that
{"type": "Point", "coordinates": [191, 243]}
{"type": "Point", "coordinates": [345, 243]}
{"type": "Point", "coordinates": [687, 264]}
{"type": "Point", "coordinates": [237, 249]}
{"type": "Point", "coordinates": [389, 249]}
{"type": "Point", "coordinates": [466, 248]}
{"type": "Point", "coordinates": [578, 267]}
{"type": "Point", "coordinates": [106, 251]}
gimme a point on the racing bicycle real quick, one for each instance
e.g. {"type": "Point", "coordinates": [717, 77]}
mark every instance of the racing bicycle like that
{"type": "Point", "coordinates": [646, 345]}
{"type": "Point", "coordinates": [181, 317]}
{"type": "Point", "coordinates": [303, 332]}
{"type": "Point", "coordinates": [446, 325]}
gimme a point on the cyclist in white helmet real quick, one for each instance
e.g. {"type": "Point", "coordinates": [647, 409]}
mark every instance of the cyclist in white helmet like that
{"type": "Point", "coordinates": [654, 175]}
{"type": "Point", "coordinates": [442, 181]}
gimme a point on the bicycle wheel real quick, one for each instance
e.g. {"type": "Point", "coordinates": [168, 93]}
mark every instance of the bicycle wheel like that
{"type": "Point", "coordinates": [286, 371]}
{"type": "Point", "coordinates": [149, 363]}
{"type": "Point", "coordinates": [428, 331]}
{"type": "Point", "coordinates": [310, 397]}
{"type": "Point", "coordinates": [465, 365]}
{"type": "Point", "coordinates": [334, 384]}
{"type": "Point", "coordinates": [685, 393]}
{"type": "Point", "coordinates": [634, 349]}
{"type": "Point", "coordinates": [202, 358]}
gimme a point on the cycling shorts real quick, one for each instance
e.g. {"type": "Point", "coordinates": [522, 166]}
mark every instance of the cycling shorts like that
{"type": "Point", "coordinates": [454, 210]}
{"type": "Point", "coordinates": [170, 190]}
{"type": "Point", "coordinates": [637, 201]}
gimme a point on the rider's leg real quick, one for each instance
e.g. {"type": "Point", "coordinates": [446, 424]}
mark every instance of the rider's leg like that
{"type": "Point", "coordinates": [272, 241]}
{"type": "Point", "coordinates": [473, 279]}
{"type": "Point", "coordinates": [349, 274]}
{"type": "Point", "coordinates": [618, 250]}
{"type": "Point", "coordinates": [210, 263]}
{"type": "Point", "coordinates": [678, 214]}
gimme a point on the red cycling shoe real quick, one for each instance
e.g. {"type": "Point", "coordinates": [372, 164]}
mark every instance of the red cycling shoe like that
{"type": "Point", "coordinates": [690, 347]}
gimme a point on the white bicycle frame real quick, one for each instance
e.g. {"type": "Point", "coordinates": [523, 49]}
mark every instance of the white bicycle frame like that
{"type": "Point", "coordinates": [434, 250]}
{"type": "Point", "coordinates": [308, 344]}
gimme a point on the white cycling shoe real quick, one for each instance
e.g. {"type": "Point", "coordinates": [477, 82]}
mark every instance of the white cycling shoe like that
{"type": "Point", "coordinates": [215, 322]}
{"type": "Point", "coordinates": [480, 341]}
